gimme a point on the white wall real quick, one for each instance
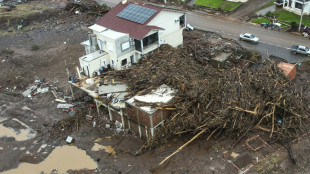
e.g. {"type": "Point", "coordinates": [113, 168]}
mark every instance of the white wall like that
{"type": "Point", "coordinates": [167, 21]}
{"type": "Point", "coordinates": [292, 8]}
{"type": "Point", "coordinates": [94, 65]}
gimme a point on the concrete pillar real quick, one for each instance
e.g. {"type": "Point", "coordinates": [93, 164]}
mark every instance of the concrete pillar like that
{"type": "Point", "coordinates": [141, 45]}
{"type": "Point", "coordinates": [122, 116]}
{"type": "Point", "coordinates": [139, 126]}
{"type": "Point", "coordinates": [128, 118]}
{"type": "Point", "coordinates": [110, 113]}
{"type": "Point", "coordinates": [97, 106]}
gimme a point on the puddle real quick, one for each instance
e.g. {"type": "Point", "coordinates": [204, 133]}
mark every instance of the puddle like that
{"type": "Point", "coordinates": [265, 10]}
{"type": "Point", "coordinates": [108, 149]}
{"type": "Point", "coordinates": [62, 158]}
{"type": "Point", "coordinates": [21, 135]}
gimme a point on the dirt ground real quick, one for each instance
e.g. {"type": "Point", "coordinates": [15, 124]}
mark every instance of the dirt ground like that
{"type": "Point", "coordinates": [59, 38]}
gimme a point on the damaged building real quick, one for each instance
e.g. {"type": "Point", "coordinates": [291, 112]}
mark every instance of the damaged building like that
{"type": "Point", "coordinates": [119, 39]}
{"type": "Point", "coordinates": [128, 32]}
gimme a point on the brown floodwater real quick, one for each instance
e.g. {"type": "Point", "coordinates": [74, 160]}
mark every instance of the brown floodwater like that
{"type": "Point", "coordinates": [62, 158]}
{"type": "Point", "coordinates": [20, 135]}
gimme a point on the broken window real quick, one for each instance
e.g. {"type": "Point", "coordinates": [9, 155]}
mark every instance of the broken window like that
{"type": "Point", "coordinates": [182, 21]}
{"type": "Point", "coordinates": [124, 62]}
{"type": "Point", "coordinates": [138, 45]}
{"type": "Point", "coordinates": [100, 44]}
{"type": "Point", "coordinates": [151, 39]}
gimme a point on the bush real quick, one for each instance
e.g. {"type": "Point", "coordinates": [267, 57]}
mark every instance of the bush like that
{"type": "Point", "coordinates": [104, 6]}
{"type": "Point", "coordinates": [294, 25]}
{"type": "Point", "coordinates": [34, 47]}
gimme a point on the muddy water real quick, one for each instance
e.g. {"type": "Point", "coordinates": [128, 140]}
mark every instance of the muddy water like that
{"type": "Point", "coordinates": [20, 135]}
{"type": "Point", "coordinates": [108, 149]}
{"type": "Point", "coordinates": [62, 158]}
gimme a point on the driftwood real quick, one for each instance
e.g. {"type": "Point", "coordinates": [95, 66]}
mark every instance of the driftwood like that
{"type": "Point", "coordinates": [246, 95]}
{"type": "Point", "coordinates": [180, 148]}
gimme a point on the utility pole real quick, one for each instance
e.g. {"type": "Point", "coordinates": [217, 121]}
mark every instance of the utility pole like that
{"type": "Point", "coordinates": [302, 11]}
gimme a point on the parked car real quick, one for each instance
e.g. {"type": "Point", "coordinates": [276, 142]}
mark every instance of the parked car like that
{"type": "Point", "coordinates": [249, 37]}
{"type": "Point", "coordinates": [300, 49]}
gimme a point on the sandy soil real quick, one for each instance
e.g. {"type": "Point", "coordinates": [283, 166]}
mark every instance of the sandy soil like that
{"type": "Point", "coordinates": [60, 43]}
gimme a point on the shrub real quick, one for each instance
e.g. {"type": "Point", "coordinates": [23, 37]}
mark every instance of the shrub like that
{"type": "Point", "coordinates": [34, 47]}
{"type": "Point", "coordinates": [104, 6]}
{"type": "Point", "coordinates": [294, 25]}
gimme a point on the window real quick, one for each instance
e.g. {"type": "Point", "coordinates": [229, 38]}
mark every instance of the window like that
{"type": "Point", "coordinates": [182, 21]}
{"type": "Point", "coordinates": [124, 62]}
{"type": "Point", "coordinates": [100, 43]}
{"type": "Point", "coordinates": [103, 63]}
{"type": "Point", "coordinates": [125, 45]}
{"type": "Point", "coordinates": [112, 63]}
{"type": "Point", "coordinates": [298, 5]}
{"type": "Point", "coordinates": [153, 38]}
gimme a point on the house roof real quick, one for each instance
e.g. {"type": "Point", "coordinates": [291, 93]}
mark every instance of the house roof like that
{"type": "Point", "coordinates": [135, 30]}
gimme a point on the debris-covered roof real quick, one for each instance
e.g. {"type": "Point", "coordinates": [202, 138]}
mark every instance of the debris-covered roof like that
{"type": "Point", "coordinates": [162, 95]}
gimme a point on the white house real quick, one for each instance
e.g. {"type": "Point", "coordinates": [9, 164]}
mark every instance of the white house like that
{"type": "Point", "coordinates": [295, 6]}
{"type": "Point", "coordinates": [129, 31]}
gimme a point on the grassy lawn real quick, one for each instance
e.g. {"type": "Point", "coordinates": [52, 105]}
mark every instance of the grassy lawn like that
{"type": "Point", "coordinates": [291, 17]}
{"type": "Point", "coordinates": [261, 20]}
{"type": "Point", "coordinates": [222, 4]}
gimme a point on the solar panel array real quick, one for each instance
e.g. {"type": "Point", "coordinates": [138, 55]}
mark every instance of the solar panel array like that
{"type": "Point", "coordinates": [136, 13]}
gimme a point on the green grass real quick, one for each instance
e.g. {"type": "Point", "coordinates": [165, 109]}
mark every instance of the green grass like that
{"type": "Point", "coordinates": [266, 5]}
{"type": "Point", "coordinates": [261, 20]}
{"type": "Point", "coordinates": [291, 17]}
{"type": "Point", "coordinates": [222, 4]}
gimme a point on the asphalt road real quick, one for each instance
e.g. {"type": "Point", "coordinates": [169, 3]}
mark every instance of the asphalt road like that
{"type": "Point", "coordinates": [272, 42]}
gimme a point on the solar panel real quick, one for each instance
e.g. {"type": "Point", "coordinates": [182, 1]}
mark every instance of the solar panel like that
{"type": "Point", "coordinates": [136, 13]}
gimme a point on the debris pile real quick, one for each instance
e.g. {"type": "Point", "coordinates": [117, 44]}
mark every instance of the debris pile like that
{"type": "Point", "coordinates": [88, 7]}
{"type": "Point", "coordinates": [250, 94]}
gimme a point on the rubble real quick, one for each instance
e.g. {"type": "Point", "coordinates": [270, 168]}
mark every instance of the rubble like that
{"type": "Point", "coordinates": [250, 94]}
{"type": "Point", "coordinates": [78, 7]}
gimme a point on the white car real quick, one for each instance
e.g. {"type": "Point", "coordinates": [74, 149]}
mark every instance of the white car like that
{"type": "Point", "coordinates": [249, 37]}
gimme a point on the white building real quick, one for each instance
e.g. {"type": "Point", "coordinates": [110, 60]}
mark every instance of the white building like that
{"type": "Point", "coordinates": [295, 6]}
{"type": "Point", "coordinates": [129, 31]}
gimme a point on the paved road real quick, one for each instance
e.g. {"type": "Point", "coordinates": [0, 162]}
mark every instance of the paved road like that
{"type": "Point", "coordinates": [248, 8]}
{"type": "Point", "coordinates": [271, 41]}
